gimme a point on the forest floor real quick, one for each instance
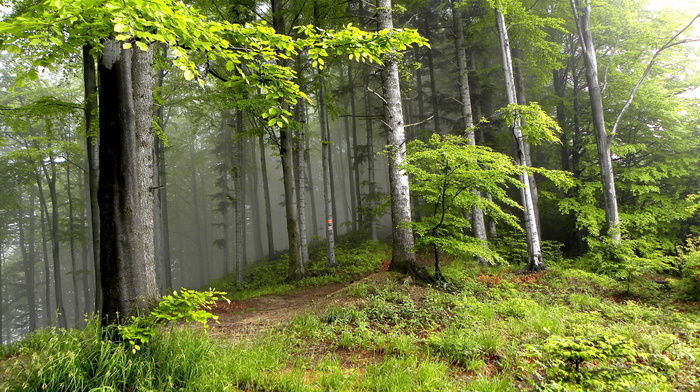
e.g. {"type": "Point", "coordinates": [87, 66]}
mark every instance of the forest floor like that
{"type": "Point", "coordinates": [246, 320]}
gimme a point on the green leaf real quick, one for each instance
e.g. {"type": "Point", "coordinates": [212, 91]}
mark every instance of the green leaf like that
{"type": "Point", "coordinates": [142, 46]}
{"type": "Point", "coordinates": [120, 28]}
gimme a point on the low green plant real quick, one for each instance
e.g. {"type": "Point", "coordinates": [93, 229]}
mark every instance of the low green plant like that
{"type": "Point", "coordinates": [603, 362]}
{"type": "Point", "coordinates": [688, 263]}
{"type": "Point", "coordinates": [185, 305]}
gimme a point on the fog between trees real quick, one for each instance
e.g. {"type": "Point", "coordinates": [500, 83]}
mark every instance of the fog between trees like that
{"type": "Point", "coordinates": [219, 199]}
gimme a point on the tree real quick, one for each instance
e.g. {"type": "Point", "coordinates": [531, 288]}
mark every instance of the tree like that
{"type": "Point", "coordinates": [403, 257]}
{"type": "Point", "coordinates": [582, 17]}
{"type": "Point", "coordinates": [535, 262]}
{"type": "Point", "coordinates": [478, 222]}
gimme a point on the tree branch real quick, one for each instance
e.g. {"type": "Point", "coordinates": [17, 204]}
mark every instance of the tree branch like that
{"type": "Point", "coordinates": [670, 43]}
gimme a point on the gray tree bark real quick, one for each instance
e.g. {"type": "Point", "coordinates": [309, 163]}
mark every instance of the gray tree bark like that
{"type": "Point", "coordinates": [582, 16]}
{"type": "Point", "coordinates": [128, 269]}
{"type": "Point", "coordinates": [327, 179]}
{"type": "Point", "coordinates": [478, 221]}
{"type": "Point", "coordinates": [535, 262]}
{"type": "Point", "coordinates": [266, 194]}
{"type": "Point", "coordinates": [403, 257]}
{"type": "Point", "coordinates": [93, 165]}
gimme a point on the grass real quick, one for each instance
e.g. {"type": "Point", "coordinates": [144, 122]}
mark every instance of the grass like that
{"type": "Point", "coordinates": [561, 330]}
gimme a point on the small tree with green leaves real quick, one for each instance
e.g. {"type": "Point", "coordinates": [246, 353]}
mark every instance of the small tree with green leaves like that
{"type": "Point", "coordinates": [445, 171]}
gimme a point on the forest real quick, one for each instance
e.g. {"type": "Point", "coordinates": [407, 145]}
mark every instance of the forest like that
{"type": "Point", "coordinates": [459, 166]}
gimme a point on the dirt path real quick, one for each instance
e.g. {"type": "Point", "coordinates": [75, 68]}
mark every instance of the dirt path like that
{"type": "Point", "coordinates": [246, 319]}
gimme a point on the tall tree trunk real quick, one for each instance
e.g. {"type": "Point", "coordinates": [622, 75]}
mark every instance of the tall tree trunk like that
{"type": "Point", "coordinates": [47, 266]}
{"type": "Point", "coordinates": [55, 244]}
{"type": "Point", "coordinates": [520, 95]}
{"type": "Point", "coordinates": [478, 222]}
{"type": "Point", "coordinates": [254, 182]}
{"type": "Point", "coordinates": [371, 186]}
{"type": "Point", "coordinates": [239, 199]}
{"type": "Point", "coordinates": [403, 257]}
{"type": "Point", "coordinates": [355, 167]}
{"type": "Point", "coordinates": [27, 245]}
{"type": "Point", "coordinates": [128, 268]}
{"type": "Point", "coordinates": [327, 176]}
{"type": "Point", "coordinates": [535, 262]}
{"type": "Point", "coordinates": [310, 185]}
{"type": "Point", "coordinates": [198, 211]}
{"type": "Point", "coordinates": [160, 196]}
{"type": "Point", "coordinates": [434, 98]}
{"type": "Point", "coordinates": [93, 165]}
{"type": "Point", "coordinates": [266, 194]}
{"type": "Point", "coordinates": [74, 266]}
{"type": "Point", "coordinates": [286, 150]}
{"type": "Point", "coordinates": [300, 171]}
{"type": "Point", "coordinates": [582, 16]}
{"type": "Point", "coordinates": [349, 150]}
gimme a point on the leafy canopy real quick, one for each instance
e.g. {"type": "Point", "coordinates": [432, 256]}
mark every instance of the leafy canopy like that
{"type": "Point", "coordinates": [53, 30]}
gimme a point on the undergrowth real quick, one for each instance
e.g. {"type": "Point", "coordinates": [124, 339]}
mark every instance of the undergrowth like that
{"type": "Point", "coordinates": [560, 330]}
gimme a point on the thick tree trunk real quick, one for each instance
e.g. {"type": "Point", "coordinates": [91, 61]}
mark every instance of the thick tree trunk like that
{"type": "Point", "coordinates": [93, 165]}
{"type": "Point", "coordinates": [403, 256]}
{"type": "Point", "coordinates": [582, 15]}
{"type": "Point", "coordinates": [327, 179]}
{"type": "Point", "coordinates": [535, 262]}
{"type": "Point", "coordinates": [478, 222]}
{"type": "Point", "coordinates": [128, 269]}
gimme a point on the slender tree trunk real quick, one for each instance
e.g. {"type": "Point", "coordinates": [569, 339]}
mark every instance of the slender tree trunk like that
{"type": "Point", "coordinates": [310, 185]}
{"type": "Point", "coordinates": [535, 262]}
{"type": "Point", "coordinates": [355, 167]}
{"type": "Point", "coordinates": [128, 268]}
{"type": "Point", "coordinates": [371, 186]}
{"type": "Point", "coordinates": [478, 221]}
{"type": "Point", "coordinates": [27, 245]}
{"type": "Point", "coordinates": [403, 257]}
{"type": "Point", "coordinates": [93, 165]}
{"type": "Point", "coordinates": [327, 177]}
{"type": "Point", "coordinates": [74, 266]}
{"type": "Point", "coordinates": [160, 197]}
{"type": "Point", "coordinates": [47, 266]}
{"type": "Point", "coordinates": [239, 211]}
{"type": "Point", "coordinates": [198, 211]}
{"type": "Point", "coordinates": [434, 98]}
{"type": "Point", "coordinates": [582, 16]}
{"type": "Point", "coordinates": [300, 171]}
{"type": "Point", "coordinates": [266, 194]}
{"type": "Point", "coordinates": [286, 150]}
{"type": "Point", "coordinates": [520, 95]}
{"type": "Point", "coordinates": [55, 245]}
{"type": "Point", "coordinates": [254, 181]}
{"type": "Point", "coordinates": [349, 150]}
